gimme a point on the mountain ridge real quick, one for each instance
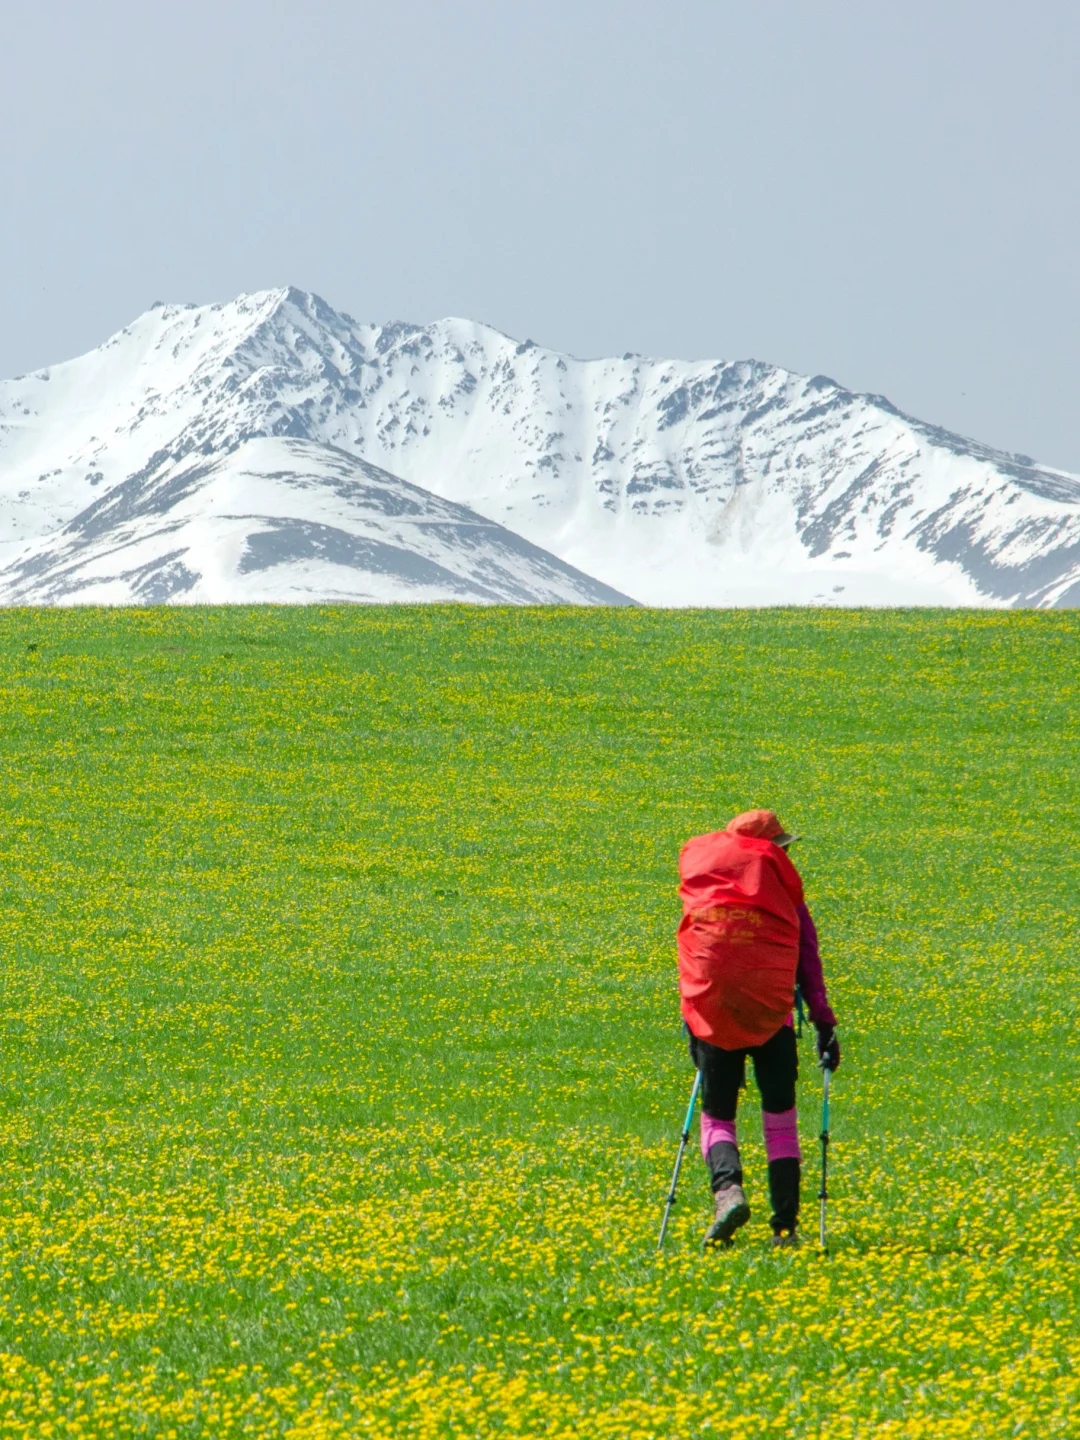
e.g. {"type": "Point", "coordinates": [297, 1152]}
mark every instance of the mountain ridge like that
{"type": "Point", "coordinates": [285, 520]}
{"type": "Point", "coordinates": [711, 482]}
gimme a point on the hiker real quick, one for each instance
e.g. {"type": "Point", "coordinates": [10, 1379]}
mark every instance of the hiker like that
{"type": "Point", "coordinates": [746, 940]}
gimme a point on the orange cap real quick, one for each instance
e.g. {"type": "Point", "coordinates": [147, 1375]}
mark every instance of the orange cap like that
{"type": "Point", "coordinates": [762, 825]}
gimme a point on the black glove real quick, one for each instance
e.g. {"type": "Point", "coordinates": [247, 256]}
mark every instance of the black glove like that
{"type": "Point", "coordinates": [828, 1046]}
{"type": "Point", "coordinates": [691, 1045]}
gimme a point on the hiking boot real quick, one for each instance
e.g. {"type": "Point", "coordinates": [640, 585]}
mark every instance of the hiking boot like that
{"type": "Point", "coordinates": [785, 1240]}
{"type": "Point", "coordinates": [731, 1212]}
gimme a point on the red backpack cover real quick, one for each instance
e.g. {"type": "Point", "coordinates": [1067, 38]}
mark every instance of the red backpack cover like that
{"type": "Point", "coordinates": [739, 938]}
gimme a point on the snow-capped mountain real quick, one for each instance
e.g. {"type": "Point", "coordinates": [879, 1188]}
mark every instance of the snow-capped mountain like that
{"type": "Point", "coordinates": [285, 520]}
{"type": "Point", "coordinates": [672, 482]}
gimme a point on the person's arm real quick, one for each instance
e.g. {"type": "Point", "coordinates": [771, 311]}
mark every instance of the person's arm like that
{"type": "Point", "coordinates": [809, 976]}
{"type": "Point", "coordinates": [811, 981]}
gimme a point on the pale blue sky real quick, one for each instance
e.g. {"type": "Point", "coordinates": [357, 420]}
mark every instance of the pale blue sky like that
{"type": "Point", "coordinates": [884, 193]}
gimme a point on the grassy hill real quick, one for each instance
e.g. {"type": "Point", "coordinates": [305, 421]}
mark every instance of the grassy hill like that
{"type": "Point", "coordinates": [340, 1068]}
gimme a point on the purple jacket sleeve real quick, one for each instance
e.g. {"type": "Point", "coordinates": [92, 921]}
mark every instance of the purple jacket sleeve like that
{"type": "Point", "coordinates": [808, 975]}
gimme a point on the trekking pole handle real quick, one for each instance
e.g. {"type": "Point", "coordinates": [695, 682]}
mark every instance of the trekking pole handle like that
{"type": "Point", "coordinates": [690, 1108]}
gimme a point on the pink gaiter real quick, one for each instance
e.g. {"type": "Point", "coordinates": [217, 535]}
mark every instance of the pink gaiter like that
{"type": "Point", "coordinates": [781, 1135]}
{"type": "Point", "coordinates": [712, 1131]}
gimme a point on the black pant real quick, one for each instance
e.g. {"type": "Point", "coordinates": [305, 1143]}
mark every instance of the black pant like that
{"type": "Point", "coordinates": [723, 1075]}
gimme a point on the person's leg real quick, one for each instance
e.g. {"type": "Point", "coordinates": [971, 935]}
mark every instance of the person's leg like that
{"type": "Point", "coordinates": [776, 1068]}
{"type": "Point", "coordinates": [722, 1077]}
{"type": "Point", "coordinates": [722, 1073]}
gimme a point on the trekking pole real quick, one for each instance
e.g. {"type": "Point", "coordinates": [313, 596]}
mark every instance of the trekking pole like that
{"type": "Point", "coordinates": [823, 1194]}
{"type": "Point", "coordinates": [678, 1159]}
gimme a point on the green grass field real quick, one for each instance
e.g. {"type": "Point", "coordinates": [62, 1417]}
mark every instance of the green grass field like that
{"type": "Point", "coordinates": [341, 1070]}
